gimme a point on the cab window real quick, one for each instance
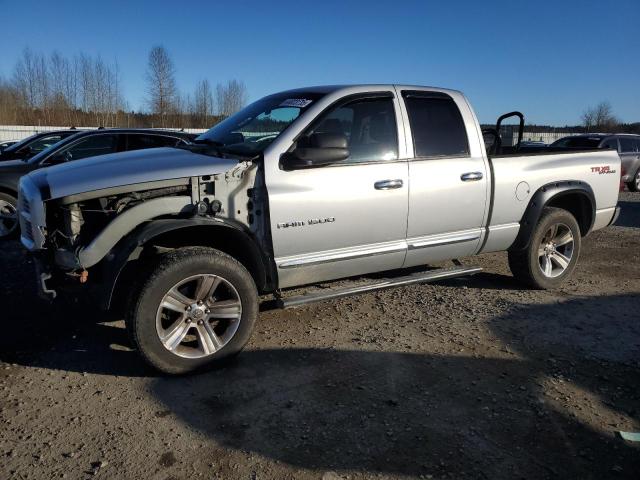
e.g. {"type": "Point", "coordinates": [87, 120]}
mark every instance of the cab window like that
{"type": "Point", "coordinates": [437, 126]}
{"type": "Point", "coordinates": [369, 126]}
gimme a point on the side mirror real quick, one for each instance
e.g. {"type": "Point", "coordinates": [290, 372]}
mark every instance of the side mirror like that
{"type": "Point", "coordinates": [317, 150]}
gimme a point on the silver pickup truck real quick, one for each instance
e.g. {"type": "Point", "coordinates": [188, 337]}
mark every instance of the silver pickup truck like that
{"type": "Point", "coordinates": [301, 187]}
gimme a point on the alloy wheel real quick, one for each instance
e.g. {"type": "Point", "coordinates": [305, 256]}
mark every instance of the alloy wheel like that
{"type": "Point", "coordinates": [555, 250]}
{"type": "Point", "coordinates": [198, 316]}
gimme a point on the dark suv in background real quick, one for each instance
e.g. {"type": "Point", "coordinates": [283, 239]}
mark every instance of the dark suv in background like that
{"type": "Point", "coordinates": [79, 145]}
{"type": "Point", "coordinates": [34, 144]}
{"type": "Point", "coordinates": [627, 145]}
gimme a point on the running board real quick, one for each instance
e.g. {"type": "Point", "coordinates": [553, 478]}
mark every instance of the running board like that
{"type": "Point", "coordinates": [425, 277]}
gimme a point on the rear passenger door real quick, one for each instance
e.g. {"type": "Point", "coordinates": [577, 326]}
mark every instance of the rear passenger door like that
{"type": "Point", "coordinates": [448, 178]}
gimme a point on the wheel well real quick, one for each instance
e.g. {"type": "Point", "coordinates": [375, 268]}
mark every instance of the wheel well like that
{"type": "Point", "coordinates": [578, 205]}
{"type": "Point", "coordinates": [229, 240]}
{"type": "Point", "coordinates": [574, 196]}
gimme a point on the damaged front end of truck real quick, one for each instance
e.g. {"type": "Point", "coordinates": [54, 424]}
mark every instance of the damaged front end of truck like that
{"type": "Point", "coordinates": [91, 225]}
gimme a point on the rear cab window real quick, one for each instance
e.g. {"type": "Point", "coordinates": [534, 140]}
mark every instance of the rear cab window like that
{"type": "Point", "coordinates": [437, 126]}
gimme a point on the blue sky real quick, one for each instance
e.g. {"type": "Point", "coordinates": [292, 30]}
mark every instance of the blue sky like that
{"type": "Point", "coordinates": [550, 59]}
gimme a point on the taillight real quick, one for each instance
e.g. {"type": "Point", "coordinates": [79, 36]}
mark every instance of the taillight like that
{"type": "Point", "coordinates": [622, 174]}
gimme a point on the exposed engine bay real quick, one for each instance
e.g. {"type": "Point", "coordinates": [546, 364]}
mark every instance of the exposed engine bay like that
{"type": "Point", "coordinates": [96, 221]}
{"type": "Point", "coordinates": [78, 223]}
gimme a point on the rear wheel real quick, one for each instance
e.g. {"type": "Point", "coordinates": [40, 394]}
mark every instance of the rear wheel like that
{"type": "Point", "coordinates": [8, 216]}
{"type": "Point", "coordinates": [634, 185]}
{"type": "Point", "coordinates": [196, 309]}
{"type": "Point", "coordinates": [552, 253]}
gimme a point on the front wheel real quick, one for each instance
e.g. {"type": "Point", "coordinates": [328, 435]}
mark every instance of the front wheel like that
{"type": "Point", "coordinates": [552, 253]}
{"type": "Point", "coordinates": [197, 308]}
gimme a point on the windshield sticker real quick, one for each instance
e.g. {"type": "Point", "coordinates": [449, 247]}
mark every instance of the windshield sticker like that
{"type": "Point", "coordinates": [295, 102]}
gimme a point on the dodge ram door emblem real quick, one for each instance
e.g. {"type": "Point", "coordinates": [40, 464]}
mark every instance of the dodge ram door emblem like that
{"type": "Point", "coordinates": [302, 223]}
{"type": "Point", "coordinates": [315, 221]}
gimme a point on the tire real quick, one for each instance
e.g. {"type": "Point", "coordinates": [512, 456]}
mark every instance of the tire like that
{"type": "Point", "coordinates": [8, 206]}
{"type": "Point", "coordinates": [177, 340]}
{"type": "Point", "coordinates": [634, 185]}
{"type": "Point", "coordinates": [540, 265]}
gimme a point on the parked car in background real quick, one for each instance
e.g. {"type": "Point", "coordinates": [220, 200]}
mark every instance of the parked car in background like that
{"type": "Point", "coordinates": [532, 146]}
{"type": "Point", "coordinates": [532, 143]}
{"type": "Point", "coordinates": [302, 187]}
{"type": "Point", "coordinates": [80, 145]}
{"type": "Point", "coordinates": [627, 145]}
{"type": "Point", "coordinates": [34, 144]}
{"type": "Point", "coordinates": [7, 143]}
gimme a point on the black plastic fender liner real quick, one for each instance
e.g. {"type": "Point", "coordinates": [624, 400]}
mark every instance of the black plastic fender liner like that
{"type": "Point", "coordinates": [545, 195]}
{"type": "Point", "coordinates": [130, 246]}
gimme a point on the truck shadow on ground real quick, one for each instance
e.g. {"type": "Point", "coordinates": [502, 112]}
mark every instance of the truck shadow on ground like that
{"type": "Point", "coordinates": [512, 416]}
{"type": "Point", "coordinates": [490, 415]}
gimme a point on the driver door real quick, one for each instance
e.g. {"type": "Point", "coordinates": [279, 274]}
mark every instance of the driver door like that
{"type": "Point", "coordinates": [350, 217]}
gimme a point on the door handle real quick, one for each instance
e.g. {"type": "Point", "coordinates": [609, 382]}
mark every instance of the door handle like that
{"type": "Point", "coordinates": [471, 176]}
{"type": "Point", "coordinates": [388, 184]}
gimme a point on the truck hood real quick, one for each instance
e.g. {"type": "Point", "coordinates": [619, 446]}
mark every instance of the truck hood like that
{"type": "Point", "coordinates": [126, 168]}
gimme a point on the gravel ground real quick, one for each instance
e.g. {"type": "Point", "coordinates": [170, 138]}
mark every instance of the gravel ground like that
{"type": "Point", "coordinates": [472, 378]}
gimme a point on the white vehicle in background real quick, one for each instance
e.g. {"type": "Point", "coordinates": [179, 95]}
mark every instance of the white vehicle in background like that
{"type": "Point", "coordinates": [301, 187]}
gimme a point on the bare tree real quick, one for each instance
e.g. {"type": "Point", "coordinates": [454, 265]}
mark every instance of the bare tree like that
{"type": "Point", "coordinates": [202, 102]}
{"type": "Point", "coordinates": [600, 118]}
{"type": "Point", "coordinates": [58, 66]}
{"type": "Point", "coordinates": [161, 83]}
{"type": "Point", "coordinates": [25, 81]}
{"type": "Point", "coordinates": [10, 103]}
{"type": "Point", "coordinates": [231, 97]}
{"type": "Point", "coordinates": [84, 90]}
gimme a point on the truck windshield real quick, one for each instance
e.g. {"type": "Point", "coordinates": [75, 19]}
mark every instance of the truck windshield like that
{"type": "Point", "coordinates": [253, 128]}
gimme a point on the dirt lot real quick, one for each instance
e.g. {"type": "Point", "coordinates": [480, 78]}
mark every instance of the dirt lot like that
{"type": "Point", "coordinates": [473, 378]}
